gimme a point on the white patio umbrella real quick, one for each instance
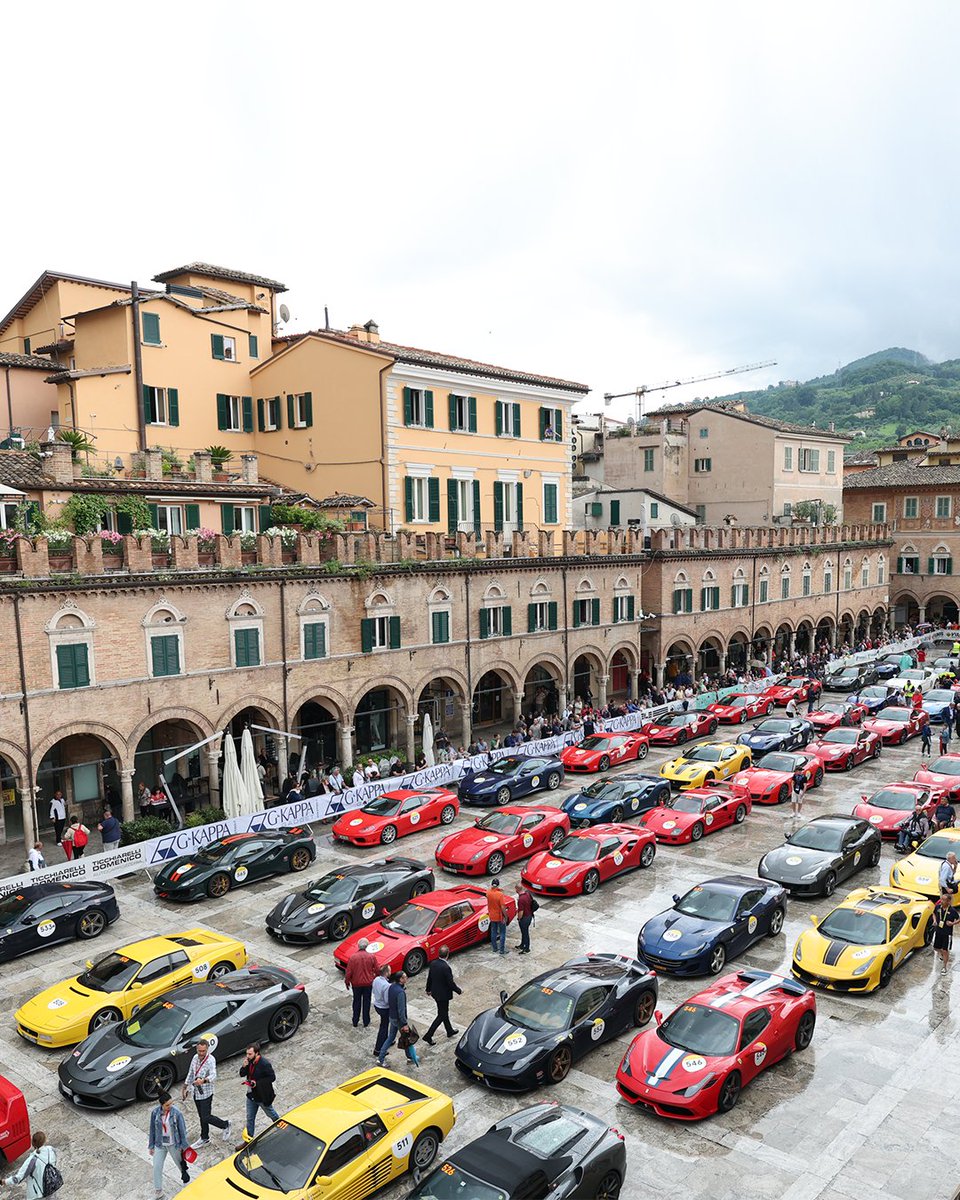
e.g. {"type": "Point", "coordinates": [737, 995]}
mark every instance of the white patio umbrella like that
{"type": "Point", "coordinates": [428, 754]}
{"type": "Point", "coordinates": [252, 790]}
{"type": "Point", "coordinates": [231, 783]}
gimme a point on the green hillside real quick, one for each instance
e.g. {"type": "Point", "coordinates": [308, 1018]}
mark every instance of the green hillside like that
{"type": "Point", "coordinates": [886, 394]}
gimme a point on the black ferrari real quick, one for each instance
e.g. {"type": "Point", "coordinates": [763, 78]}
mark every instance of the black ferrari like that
{"type": "Point", "coordinates": [545, 1150]}
{"type": "Point", "coordinates": [239, 858]}
{"type": "Point", "coordinates": [828, 849]}
{"type": "Point", "coordinates": [45, 913]}
{"type": "Point", "coordinates": [150, 1052]}
{"type": "Point", "coordinates": [346, 899]}
{"type": "Point", "coordinates": [538, 1033]}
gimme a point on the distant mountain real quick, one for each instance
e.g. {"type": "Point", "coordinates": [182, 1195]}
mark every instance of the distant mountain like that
{"type": "Point", "coordinates": [896, 354]}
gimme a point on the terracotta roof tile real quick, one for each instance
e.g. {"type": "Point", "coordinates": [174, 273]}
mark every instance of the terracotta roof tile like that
{"type": "Point", "coordinates": [32, 361]}
{"type": "Point", "coordinates": [213, 272]}
{"type": "Point", "coordinates": [729, 410]}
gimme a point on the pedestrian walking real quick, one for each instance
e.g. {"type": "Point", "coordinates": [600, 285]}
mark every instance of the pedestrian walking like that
{"type": "Point", "coordinates": [109, 828]}
{"type": "Point", "coordinates": [200, 1081]}
{"type": "Point", "coordinates": [168, 1138]}
{"type": "Point", "coordinates": [441, 988]}
{"type": "Point", "coordinates": [381, 1006]}
{"type": "Point", "coordinates": [948, 718]}
{"type": "Point", "coordinates": [944, 739]}
{"type": "Point", "coordinates": [78, 835]}
{"type": "Point", "coordinates": [811, 701]}
{"type": "Point", "coordinates": [360, 973]}
{"type": "Point", "coordinates": [945, 916]}
{"type": "Point", "coordinates": [258, 1078]}
{"type": "Point", "coordinates": [58, 814]}
{"type": "Point", "coordinates": [33, 1169]}
{"type": "Point", "coordinates": [947, 877]}
{"type": "Point", "coordinates": [526, 907]}
{"type": "Point", "coordinates": [791, 708]}
{"type": "Point", "coordinates": [926, 740]}
{"type": "Point", "coordinates": [799, 787]}
{"type": "Point", "coordinates": [399, 1022]}
{"type": "Point", "coordinates": [35, 859]}
{"type": "Point", "coordinates": [497, 912]}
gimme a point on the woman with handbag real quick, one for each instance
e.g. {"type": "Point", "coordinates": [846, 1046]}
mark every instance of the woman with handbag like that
{"type": "Point", "coordinates": [34, 1172]}
{"type": "Point", "coordinates": [399, 1025]}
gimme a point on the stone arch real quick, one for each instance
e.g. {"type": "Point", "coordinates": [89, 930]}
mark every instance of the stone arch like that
{"type": "Point", "coordinates": [154, 740]}
{"type": "Point", "coordinates": [439, 595]}
{"type": "Point", "coordinates": [679, 659]}
{"type": "Point", "coordinates": [629, 650]}
{"type": "Point", "coordinates": [327, 696]}
{"type": "Point", "coordinates": [16, 758]}
{"type": "Point", "coordinates": [543, 680]}
{"type": "Point", "coordinates": [495, 690]}
{"type": "Point", "coordinates": [941, 607]}
{"type": "Point", "coordinates": [541, 590]}
{"type": "Point", "coordinates": [400, 686]}
{"type": "Point", "coordinates": [204, 726]}
{"type": "Point", "coordinates": [313, 602]}
{"type": "Point", "coordinates": [586, 586]}
{"type": "Point", "coordinates": [494, 591]}
{"type": "Point", "coordinates": [710, 654]}
{"type": "Point", "coordinates": [69, 616]}
{"type": "Point", "coordinates": [379, 716]}
{"type": "Point", "coordinates": [270, 707]}
{"type": "Point", "coordinates": [155, 614]}
{"type": "Point", "coordinates": [245, 605]}
{"type": "Point", "coordinates": [738, 649]}
{"type": "Point", "coordinates": [112, 739]}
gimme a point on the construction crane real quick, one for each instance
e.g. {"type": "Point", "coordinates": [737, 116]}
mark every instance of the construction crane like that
{"type": "Point", "coordinates": [643, 390]}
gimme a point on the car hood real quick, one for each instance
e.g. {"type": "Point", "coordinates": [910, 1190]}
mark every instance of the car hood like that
{"type": "Point", "coordinates": [824, 720]}
{"type": "Point", "coordinates": [104, 1054]}
{"type": "Point", "coordinates": [299, 910]}
{"type": "Point", "coordinates": [384, 945]}
{"type": "Point", "coordinates": [357, 820]}
{"type": "Point", "coordinates": [579, 809]}
{"type": "Point", "coordinates": [883, 818]}
{"type": "Point", "coordinates": [492, 1039]}
{"type": "Point", "coordinates": [185, 869]}
{"type": "Point", "coordinates": [547, 864]}
{"type": "Point", "coordinates": [656, 1064]}
{"type": "Point", "coordinates": [668, 819]}
{"type": "Point", "coordinates": [789, 863]}
{"type": "Point", "coordinates": [682, 768]}
{"type": "Point", "coordinates": [483, 779]}
{"type": "Point", "coordinates": [468, 841]}
{"type": "Point", "coordinates": [843, 957]}
{"type": "Point", "coordinates": [671, 932]}
{"type": "Point", "coordinates": [921, 870]}
{"type": "Point", "coordinates": [761, 739]}
{"type": "Point", "coordinates": [759, 779]}
{"type": "Point", "coordinates": [575, 754]}
{"type": "Point", "coordinates": [63, 1004]}
{"type": "Point", "coordinates": [829, 749]}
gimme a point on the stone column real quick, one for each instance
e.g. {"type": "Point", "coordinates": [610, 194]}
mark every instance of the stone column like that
{"type": "Point", "coordinates": [923, 614]}
{"type": "Point", "coordinates": [412, 738]}
{"type": "Point", "coordinates": [658, 674]}
{"type": "Point", "coordinates": [213, 774]}
{"type": "Point", "coordinates": [790, 638]}
{"type": "Point", "coordinates": [345, 735]}
{"type": "Point", "coordinates": [561, 697]}
{"type": "Point", "coordinates": [634, 683]}
{"type": "Point", "coordinates": [602, 681]}
{"type": "Point", "coordinates": [466, 726]}
{"type": "Point", "coordinates": [517, 706]}
{"type": "Point", "coordinates": [833, 637]}
{"type": "Point", "coordinates": [29, 829]}
{"type": "Point", "coordinates": [126, 794]}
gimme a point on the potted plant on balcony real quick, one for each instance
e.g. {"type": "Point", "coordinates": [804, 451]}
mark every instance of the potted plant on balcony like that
{"type": "Point", "coordinates": [219, 457]}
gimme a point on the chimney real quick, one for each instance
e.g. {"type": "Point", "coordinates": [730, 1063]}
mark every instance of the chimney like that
{"type": "Point", "coordinates": [358, 332]}
{"type": "Point", "coordinates": [373, 332]}
{"type": "Point", "coordinates": [153, 462]}
{"type": "Point", "coordinates": [57, 461]}
{"type": "Point", "coordinates": [248, 468]}
{"type": "Point", "coordinates": [833, 427]}
{"type": "Point", "coordinates": [202, 466]}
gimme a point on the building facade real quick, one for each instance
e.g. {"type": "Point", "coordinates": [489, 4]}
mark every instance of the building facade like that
{"type": "Point", "coordinates": [604, 507]}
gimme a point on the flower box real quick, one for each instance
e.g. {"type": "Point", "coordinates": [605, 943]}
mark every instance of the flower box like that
{"type": "Point", "coordinates": [61, 562]}
{"type": "Point", "coordinates": [161, 561]}
{"type": "Point", "coordinates": [112, 562]}
{"type": "Point", "coordinates": [288, 556]}
{"type": "Point", "coordinates": [206, 558]}
{"type": "Point", "coordinates": [8, 565]}
{"type": "Point", "coordinates": [248, 558]}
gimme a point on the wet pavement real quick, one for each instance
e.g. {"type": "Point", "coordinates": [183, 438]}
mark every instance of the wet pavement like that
{"type": "Point", "coordinates": [859, 1114]}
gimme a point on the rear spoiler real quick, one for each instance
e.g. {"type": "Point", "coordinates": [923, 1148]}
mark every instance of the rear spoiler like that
{"type": "Point", "coordinates": [791, 986]}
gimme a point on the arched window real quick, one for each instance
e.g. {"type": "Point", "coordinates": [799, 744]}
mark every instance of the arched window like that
{"type": "Point", "coordinates": [380, 628]}
{"type": "Point", "coordinates": [740, 589]}
{"type": "Point", "coordinates": [496, 616]}
{"type": "Point", "coordinates": [439, 605]}
{"type": "Point", "coordinates": [941, 562]}
{"type": "Point", "coordinates": [806, 579]}
{"type": "Point", "coordinates": [70, 637]}
{"type": "Point", "coordinates": [785, 582]}
{"type": "Point", "coordinates": [881, 570]}
{"type": "Point", "coordinates": [245, 618]}
{"type": "Point", "coordinates": [847, 574]}
{"type": "Point", "coordinates": [314, 613]}
{"type": "Point", "coordinates": [163, 631]}
{"type": "Point", "coordinates": [709, 592]}
{"type": "Point", "coordinates": [865, 572]}
{"type": "Point", "coordinates": [763, 585]}
{"type": "Point", "coordinates": [682, 593]}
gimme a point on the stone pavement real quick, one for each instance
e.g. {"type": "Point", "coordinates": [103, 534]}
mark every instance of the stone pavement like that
{"type": "Point", "coordinates": [857, 1116]}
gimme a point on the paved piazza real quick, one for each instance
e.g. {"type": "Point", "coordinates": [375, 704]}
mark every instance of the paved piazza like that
{"type": "Point", "coordinates": [865, 1112]}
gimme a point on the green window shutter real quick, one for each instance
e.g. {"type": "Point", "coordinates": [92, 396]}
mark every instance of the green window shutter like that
{"type": "Point", "coordinates": [677, 600]}
{"type": "Point", "coordinates": [173, 406]}
{"type": "Point", "coordinates": [222, 422]}
{"type": "Point", "coordinates": [614, 512]}
{"type": "Point", "coordinates": [72, 666]}
{"type": "Point", "coordinates": [315, 640]}
{"type": "Point", "coordinates": [433, 500]}
{"type": "Point", "coordinates": [484, 622]}
{"type": "Point", "coordinates": [471, 414]}
{"type": "Point", "coordinates": [703, 598]}
{"type": "Point", "coordinates": [394, 633]}
{"type": "Point", "coordinates": [519, 505]}
{"type": "Point", "coordinates": [498, 413]}
{"type": "Point", "coordinates": [407, 407]}
{"type": "Point", "coordinates": [291, 413]}
{"type": "Point", "coordinates": [631, 609]}
{"type": "Point", "coordinates": [261, 423]}
{"type": "Point", "coordinates": [145, 401]}
{"type": "Point", "coordinates": [440, 622]}
{"type": "Point", "coordinates": [226, 518]}
{"type": "Point", "coordinates": [246, 408]}
{"type": "Point", "coordinates": [899, 566]}
{"type": "Point", "coordinates": [733, 596]}
{"type": "Point", "coordinates": [151, 328]}
{"type": "Point", "coordinates": [506, 621]}
{"type": "Point", "coordinates": [154, 515]}
{"type": "Point", "coordinates": [716, 597]}
{"type": "Point", "coordinates": [476, 507]}
{"type": "Point", "coordinates": [308, 410]}
{"type": "Point", "coordinates": [929, 566]}
{"type": "Point", "coordinates": [452, 411]}
{"type": "Point", "coordinates": [254, 345]}
{"type": "Point", "coordinates": [240, 647]}
{"type": "Point", "coordinates": [550, 504]}
{"type": "Point", "coordinates": [531, 618]}
{"type": "Point", "coordinates": [498, 506]}
{"type": "Point", "coordinates": [949, 566]}
{"type": "Point", "coordinates": [408, 498]}
{"type": "Point", "coordinates": [428, 409]}
{"type": "Point", "coordinates": [216, 345]}
{"type": "Point", "coordinates": [26, 346]}
{"type": "Point", "coordinates": [193, 516]}
{"type": "Point", "coordinates": [746, 593]}
{"type": "Point", "coordinates": [265, 516]}
{"type": "Point", "coordinates": [595, 611]}
{"type": "Point", "coordinates": [552, 615]}
{"type": "Point", "coordinates": [366, 635]}
{"type": "Point", "coordinates": [516, 420]}
{"type": "Point", "coordinates": [543, 422]}
{"type": "Point", "coordinates": [688, 600]}
{"type": "Point", "coordinates": [576, 614]}
{"type": "Point", "coordinates": [559, 429]}
{"type": "Point", "coordinates": [165, 652]}
{"type": "Point", "coordinates": [124, 523]}
{"type": "Point", "coordinates": [453, 508]}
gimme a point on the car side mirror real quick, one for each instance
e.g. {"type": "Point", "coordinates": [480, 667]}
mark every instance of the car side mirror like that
{"type": "Point", "coordinates": [503, 996]}
{"type": "Point", "coordinates": [814, 921]}
{"type": "Point", "coordinates": [136, 984]}
{"type": "Point", "coordinates": [675, 898]}
{"type": "Point", "coordinates": [29, 920]}
{"type": "Point", "coordinates": [659, 1016]}
{"type": "Point", "coordinates": [384, 911]}
{"type": "Point", "coordinates": [89, 964]}
{"type": "Point", "coordinates": [323, 1180]}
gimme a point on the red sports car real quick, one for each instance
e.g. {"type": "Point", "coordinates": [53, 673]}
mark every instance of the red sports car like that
{"type": "Point", "coordinates": [841, 749]}
{"type": "Point", "coordinates": [14, 1122]}
{"type": "Point", "coordinates": [678, 728]}
{"type": "Point", "coordinates": [395, 814]}
{"type": "Point", "coordinates": [893, 804]}
{"type": "Point", "coordinates": [942, 772]}
{"type": "Point", "coordinates": [697, 1061]}
{"type": "Point", "coordinates": [832, 713]}
{"type": "Point", "coordinates": [502, 836]}
{"type": "Point", "coordinates": [601, 751]}
{"type": "Point", "coordinates": [412, 936]}
{"type": "Point", "coordinates": [695, 812]}
{"type": "Point", "coordinates": [895, 725]}
{"type": "Point", "coordinates": [744, 706]}
{"type": "Point", "coordinates": [587, 858]}
{"type": "Point", "coordinates": [771, 781]}
{"type": "Point", "coordinates": [794, 687]}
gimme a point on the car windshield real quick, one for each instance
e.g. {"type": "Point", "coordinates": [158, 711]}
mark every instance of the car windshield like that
{"type": "Point", "coordinates": [499, 822]}
{"type": "Point", "coordinates": [504, 766]}
{"type": "Point", "coordinates": [449, 1182]}
{"type": "Point", "coordinates": [602, 789]}
{"type": "Point", "coordinates": [874, 693]}
{"type": "Point", "coordinates": [944, 664]}
{"type": "Point", "coordinates": [892, 798]}
{"type": "Point", "coordinates": [283, 1157]}
{"type": "Point", "coordinates": [854, 925]}
{"type": "Point", "coordinates": [599, 743]}
{"type": "Point", "coordinates": [687, 804]}
{"type": "Point", "coordinates": [948, 765]}
{"type": "Point", "coordinates": [737, 701]}
{"type": "Point", "coordinates": [713, 904]}
{"type": "Point", "coordinates": [898, 715]}
{"type": "Point", "coordinates": [110, 974]}
{"type": "Point", "coordinates": [412, 919]}
{"type": "Point", "coordinates": [577, 849]}
{"type": "Point", "coordinates": [701, 1030]}
{"type": "Point", "coordinates": [214, 852]}
{"type": "Point", "coordinates": [709, 754]}
{"type": "Point", "coordinates": [13, 907]}
{"type": "Point", "coordinates": [818, 835]}
{"type": "Point", "coordinates": [774, 726]}
{"type": "Point", "coordinates": [538, 1007]}
{"type": "Point", "coordinates": [678, 721]}
{"type": "Point", "coordinates": [846, 673]}
{"type": "Point", "coordinates": [782, 762]}
{"type": "Point", "coordinates": [333, 888]}
{"type": "Point", "coordinates": [386, 805]}
{"type": "Point", "coordinates": [940, 696]}
{"type": "Point", "coordinates": [916, 676]}
{"type": "Point", "coordinates": [156, 1024]}
{"type": "Point", "coordinates": [938, 846]}
{"type": "Point", "coordinates": [844, 737]}
{"type": "Point", "coordinates": [833, 708]}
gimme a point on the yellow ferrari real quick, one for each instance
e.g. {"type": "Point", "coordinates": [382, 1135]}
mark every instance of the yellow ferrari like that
{"type": "Point", "coordinates": [858, 946]}
{"type": "Point", "coordinates": [344, 1145]}
{"type": "Point", "coordinates": [920, 871]}
{"type": "Point", "coordinates": [114, 987]}
{"type": "Point", "coordinates": [703, 764]}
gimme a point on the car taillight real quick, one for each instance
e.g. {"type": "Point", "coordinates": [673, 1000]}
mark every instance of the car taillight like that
{"type": "Point", "coordinates": [616, 1133]}
{"type": "Point", "coordinates": [300, 987]}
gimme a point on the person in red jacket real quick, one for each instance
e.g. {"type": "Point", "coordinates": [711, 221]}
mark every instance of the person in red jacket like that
{"type": "Point", "coordinates": [526, 907]}
{"type": "Point", "coordinates": [360, 974]}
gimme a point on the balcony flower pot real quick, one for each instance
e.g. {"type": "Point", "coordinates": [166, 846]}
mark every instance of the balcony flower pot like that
{"type": "Point", "coordinates": [161, 561]}
{"type": "Point", "coordinates": [112, 562]}
{"type": "Point", "coordinates": [248, 558]}
{"type": "Point", "coordinates": [8, 564]}
{"type": "Point", "coordinates": [221, 477]}
{"type": "Point", "coordinates": [206, 558]}
{"type": "Point", "coordinates": [61, 562]}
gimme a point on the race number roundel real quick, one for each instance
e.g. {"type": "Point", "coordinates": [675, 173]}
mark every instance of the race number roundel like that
{"type": "Point", "coordinates": [201, 970]}
{"type": "Point", "coordinates": [357, 821]}
{"type": "Point", "coordinates": [316, 908]}
{"type": "Point", "coordinates": [759, 1054]}
{"type": "Point", "coordinates": [669, 824]}
{"type": "Point", "coordinates": [514, 1041]}
{"type": "Point", "coordinates": [596, 1030]}
{"type": "Point", "coordinates": [693, 1062]}
{"type": "Point", "coordinates": [211, 1039]}
{"type": "Point", "coordinates": [535, 781]}
{"type": "Point", "coordinates": [490, 839]}
{"type": "Point", "coordinates": [752, 925]}
{"type": "Point", "coordinates": [794, 860]}
{"type": "Point", "coordinates": [708, 818]}
{"type": "Point", "coordinates": [58, 1003]}
{"type": "Point", "coordinates": [856, 858]}
{"type": "Point", "coordinates": [368, 911]}
{"type": "Point", "coordinates": [374, 947]}
{"type": "Point", "coordinates": [875, 820]}
{"type": "Point", "coordinates": [46, 929]}
{"type": "Point", "coordinates": [528, 840]}
{"type": "Point", "coordinates": [414, 818]}
{"type": "Point", "coordinates": [483, 924]}
{"type": "Point", "coordinates": [240, 874]}
{"type": "Point", "coordinates": [118, 1064]}
{"type": "Point", "coordinates": [403, 1147]}
{"type": "Point", "coordinates": [672, 935]}
{"type": "Point", "coordinates": [618, 859]}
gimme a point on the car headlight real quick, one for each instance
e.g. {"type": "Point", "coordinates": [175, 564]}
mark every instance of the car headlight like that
{"type": "Point", "coordinates": [865, 967]}
{"type": "Point", "coordinates": [520, 1063]}
{"type": "Point", "coordinates": [569, 877]}
{"type": "Point", "coordinates": [476, 857]}
{"type": "Point", "coordinates": [696, 950]}
{"type": "Point", "coordinates": [895, 874]}
{"type": "Point", "coordinates": [695, 1088]}
{"type": "Point", "coordinates": [798, 952]}
{"type": "Point", "coordinates": [810, 875]}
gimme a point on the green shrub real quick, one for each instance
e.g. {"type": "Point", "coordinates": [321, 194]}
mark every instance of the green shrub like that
{"type": "Point", "coordinates": [209, 815]}
{"type": "Point", "coordinates": [142, 829]}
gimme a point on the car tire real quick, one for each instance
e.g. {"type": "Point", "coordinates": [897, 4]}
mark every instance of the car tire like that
{"type": "Point", "coordinates": [648, 854]}
{"type": "Point", "coordinates": [617, 815]}
{"type": "Point", "coordinates": [818, 778]}
{"type": "Point", "coordinates": [848, 765]}
{"type": "Point", "coordinates": [776, 922]}
{"type": "Point", "coordinates": [218, 885]}
{"type": "Point", "coordinates": [425, 1150]}
{"type": "Point", "coordinates": [300, 859]}
{"type": "Point", "coordinates": [740, 815]}
{"type": "Point", "coordinates": [340, 927]}
{"type": "Point", "coordinates": [448, 814]}
{"type": "Point", "coordinates": [644, 1008]}
{"type": "Point", "coordinates": [886, 972]}
{"type": "Point", "coordinates": [553, 781]}
{"type": "Point", "coordinates": [284, 1023]}
{"type": "Point", "coordinates": [160, 1077]}
{"type": "Point", "coordinates": [91, 923]}
{"type": "Point", "coordinates": [730, 1091]}
{"type": "Point", "coordinates": [604, 763]}
{"type": "Point", "coordinates": [718, 960]}
{"type": "Point", "coordinates": [874, 855]}
{"type": "Point", "coordinates": [414, 963]}
{"type": "Point", "coordinates": [503, 795]}
{"type": "Point", "coordinates": [556, 838]}
{"type": "Point", "coordinates": [805, 1028]}
{"type": "Point", "coordinates": [783, 795]}
{"type": "Point", "coordinates": [903, 738]}
{"type": "Point", "coordinates": [712, 727]}
{"type": "Point", "coordinates": [591, 882]}
{"type": "Point", "coordinates": [696, 833]}
{"type": "Point", "coordinates": [928, 932]}
{"type": "Point", "coordinates": [495, 863]}
{"type": "Point", "coordinates": [559, 1064]}
{"type": "Point", "coordinates": [105, 1016]}
{"type": "Point", "coordinates": [743, 717]}
{"type": "Point", "coordinates": [388, 834]}
{"type": "Point", "coordinates": [221, 969]}
{"type": "Point", "coordinates": [420, 888]}
{"type": "Point", "coordinates": [829, 884]}
{"type": "Point", "coordinates": [643, 750]}
{"type": "Point", "coordinates": [682, 737]}
{"type": "Point", "coordinates": [879, 749]}
{"type": "Point", "coordinates": [609, 1186]}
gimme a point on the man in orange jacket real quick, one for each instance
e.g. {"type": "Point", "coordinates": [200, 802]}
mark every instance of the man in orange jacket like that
{"type": "Point", "coordinates": [497, 912]}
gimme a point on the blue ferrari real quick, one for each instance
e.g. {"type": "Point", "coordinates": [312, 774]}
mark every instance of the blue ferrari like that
{"type": "Point", "coordinates": [936, 702]}
{"type": "Point", "coordinates": [777, 733]}
{"type": "Point", "coordinates": [712, 923]}
{"type": "Point", "coordinates": [508, 778]}
{"type": "Point", "coordinates": [873, 698]}
{"type": "Point", "coordinates": [615, 799]}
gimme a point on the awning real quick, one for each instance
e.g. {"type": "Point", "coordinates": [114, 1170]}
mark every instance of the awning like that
{"type": "Point", "coordinates": [9, 491]}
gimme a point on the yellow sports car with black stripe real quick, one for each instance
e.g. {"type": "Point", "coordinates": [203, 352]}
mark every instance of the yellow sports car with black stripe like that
{"type": "Point", "coordinates": [858, 946]}
{"type": "Point", "coordinates": [707, 763]}
{"type": "Point", "coordinates": [343, 1145]}
{"type": "Point", "coordinates": [116, 986]}
{"type": "Point", "coordinates": [920, 871]}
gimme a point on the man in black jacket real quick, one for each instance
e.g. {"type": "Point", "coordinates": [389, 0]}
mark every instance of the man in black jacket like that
{"type": "Point", "coordinates": [258, 1078]}
{"type": "Point", "coordinates": [441, 987]}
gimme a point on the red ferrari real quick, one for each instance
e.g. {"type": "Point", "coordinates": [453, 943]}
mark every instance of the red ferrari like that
{"type": "Point", "coordinates": [698, 1060]}
{"type": "Point", "coordinates": [794, 687]}
{"type": "Point", "coordinates": [771, 781]}
{"type": "Point", "coordinates": [412, 936]}
{"type": "Point", "coordinates": [601, 751]}
{"type": "Point", "coordinates": [734, 710]}
{"type": "Point", "coordinates": [587, 858]}
{"type": "Point", "coordinates": [678, 728]}
{"type": "Point", "coordinates": [695, 812]}
{"type": "Point", "coordinates": [895, 725]}
{"type": "Point", "coordinates": [833, 713]}
{"type": "Point", "coordinates": [942, 772]}
{"type": "Point", "coordinates": [888, 807]}
{"type": "Point", "coordinates": [841, 749]}
{"type": "Point", "coordinates": [503, 836]}
{"type": "Point", "coordinates": [395, 814]}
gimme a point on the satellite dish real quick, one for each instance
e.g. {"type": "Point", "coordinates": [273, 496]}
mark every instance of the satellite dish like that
{"type": "Point", "coordinates": [284, 313]}
{"type": "Point", "coordinates": [675, 520]}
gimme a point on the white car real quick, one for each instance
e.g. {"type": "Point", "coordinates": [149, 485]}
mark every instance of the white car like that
{"type": "Point", "coordinates": [922, 678]}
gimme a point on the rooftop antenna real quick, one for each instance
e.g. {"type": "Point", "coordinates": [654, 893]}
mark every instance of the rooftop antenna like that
{"type": "Point", "coordinates": [326, 317]}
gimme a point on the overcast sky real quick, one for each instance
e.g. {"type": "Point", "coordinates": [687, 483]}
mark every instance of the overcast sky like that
{"type": "Point", "coordinates": [617, 194]}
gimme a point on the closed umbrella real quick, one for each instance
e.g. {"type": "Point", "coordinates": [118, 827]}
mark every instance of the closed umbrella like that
{"type": "Point", "coordinates": [231, 784]}
{"type": "Point", "coordinates": [252, 791]}
{"type": "Point", "coordinates": [429, 756]}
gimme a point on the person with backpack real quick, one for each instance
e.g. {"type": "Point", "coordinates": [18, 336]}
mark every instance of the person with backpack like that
{"type": "Point", "coordinates": [39, 1170]}
{"type": "Point", "coordinates": [526, 907]}
{"type": "Point", "coordinates": [77, 835]}
{"type": "Point", "coordinates": [168, 1135]}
